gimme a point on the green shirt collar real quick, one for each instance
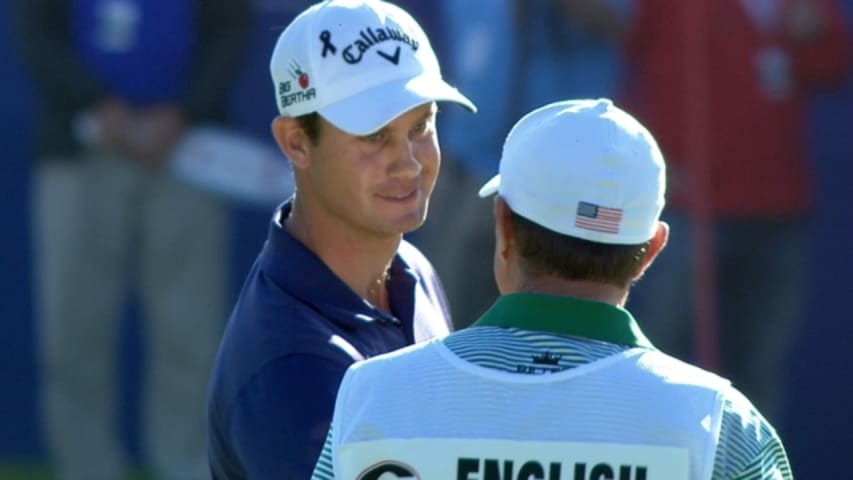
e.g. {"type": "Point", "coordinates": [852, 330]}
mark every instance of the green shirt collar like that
{"type": "Point", "coordinates": [565, 316]}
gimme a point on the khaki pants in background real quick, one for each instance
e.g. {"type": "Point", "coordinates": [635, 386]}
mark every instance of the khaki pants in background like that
{"type": "Point", "coordinates": [101, 224]}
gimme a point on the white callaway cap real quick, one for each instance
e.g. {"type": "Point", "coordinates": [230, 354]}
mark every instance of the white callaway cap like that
{"type": "Point", "coordinates": [583, 168]}
{"type": "Point", "coordinates": [358, 63]}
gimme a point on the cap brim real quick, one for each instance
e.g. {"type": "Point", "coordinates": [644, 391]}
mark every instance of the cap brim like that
{"type": "Point", "coordinates": [372, 109]}
{"type": "Point", "coordinates": [490, 187]}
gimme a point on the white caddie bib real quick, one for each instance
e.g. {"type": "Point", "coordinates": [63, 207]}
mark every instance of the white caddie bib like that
{"type": "Point", "coordinates": [636, 415]}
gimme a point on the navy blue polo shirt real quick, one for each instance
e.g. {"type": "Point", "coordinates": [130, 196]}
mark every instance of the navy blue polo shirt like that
{"type": "Point", "coordinates": [293, 333]}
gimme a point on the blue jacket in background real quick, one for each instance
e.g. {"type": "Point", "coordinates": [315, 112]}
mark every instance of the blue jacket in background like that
{"type": "Point", "coordinates": [81, 52]}
{"type": "Point", "coordinates": [140, 50]}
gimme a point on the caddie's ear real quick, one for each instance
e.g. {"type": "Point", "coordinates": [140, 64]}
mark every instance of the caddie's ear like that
{"type": "Point", "coordinates": [292, 140]}
{"type": "Point", "coordinates": [504, 229]}
{"type": "Point", "coordinates": [656, 244]}
{"type": "Point", "coordinates": [504, 262]}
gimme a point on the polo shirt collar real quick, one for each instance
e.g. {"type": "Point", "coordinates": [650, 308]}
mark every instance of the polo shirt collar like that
{"type": "Point", "coordinates": [296, 269]}
{"type": "Point", "coordinates": [565, 316]}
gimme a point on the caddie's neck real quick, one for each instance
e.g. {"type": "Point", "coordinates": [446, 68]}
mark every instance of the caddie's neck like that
{"type": "Point", "coordinates": [360, 259]}
{"type": "Point", "coordinates": [585, 290]}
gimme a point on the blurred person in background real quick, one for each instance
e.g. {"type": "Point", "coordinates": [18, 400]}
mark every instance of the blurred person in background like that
{"type": "Point", "coordinates": [759, 59]}
{"type": "Point", "coordinates": [513, 56]}
{"type": "Point", "coordinates": [120, 81]}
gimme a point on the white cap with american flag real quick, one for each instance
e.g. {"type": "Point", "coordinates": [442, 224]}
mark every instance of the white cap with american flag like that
{"type": "Point", "coordinates": [583, 168]}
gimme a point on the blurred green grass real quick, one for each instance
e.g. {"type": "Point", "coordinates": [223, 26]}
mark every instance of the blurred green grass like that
{"type": "Point", "coordinates": [33, 471]}
{"type": "Point", "coordinates": [12, 471]}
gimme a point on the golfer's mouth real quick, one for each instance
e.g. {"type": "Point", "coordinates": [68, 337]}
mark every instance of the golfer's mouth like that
{"type": "Point", "coordinates": [400, 197]}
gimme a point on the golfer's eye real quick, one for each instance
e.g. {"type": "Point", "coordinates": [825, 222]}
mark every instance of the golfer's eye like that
{"type": "Point", "coordinates": [377, 137]}
{"type": "Point", "coordinates": [424, 127]}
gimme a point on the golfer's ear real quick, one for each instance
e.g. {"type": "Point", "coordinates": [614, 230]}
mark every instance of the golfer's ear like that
{"type": "Point", "coordinates": [292, 140]}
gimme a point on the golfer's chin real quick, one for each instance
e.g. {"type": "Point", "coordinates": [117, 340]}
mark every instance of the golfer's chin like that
{"type": "Point", "coordinates": [411, 222]}
{"type": "Point", "coordinates": [407, 216]}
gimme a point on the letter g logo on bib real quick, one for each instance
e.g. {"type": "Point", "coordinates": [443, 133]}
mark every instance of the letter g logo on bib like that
{"type": "Point", "coordinates": [388, 470]}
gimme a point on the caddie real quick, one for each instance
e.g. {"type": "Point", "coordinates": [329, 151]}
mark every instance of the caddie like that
{"type": "Point", "coordinates": [556, 380]}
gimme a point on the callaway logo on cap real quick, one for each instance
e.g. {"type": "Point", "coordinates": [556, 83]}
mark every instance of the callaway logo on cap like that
{"type": "Point", "coordinates": [583, 168]}
{"type": "Point", "coordinates": [358, 63]}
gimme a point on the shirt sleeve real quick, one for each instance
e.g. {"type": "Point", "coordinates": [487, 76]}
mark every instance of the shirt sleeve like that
{"type": "Point", "coordinates": [749, 446]}
{"type": "Point", "coordinates": [328, 459]}
{"type": "Point", "coordinates": [278, 423]}
{"type": "Point", "coordinates": [325, 468]}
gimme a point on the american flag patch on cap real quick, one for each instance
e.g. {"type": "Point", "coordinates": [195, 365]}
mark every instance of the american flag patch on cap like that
{"type": "Point", "coordinates": [597, 218]}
